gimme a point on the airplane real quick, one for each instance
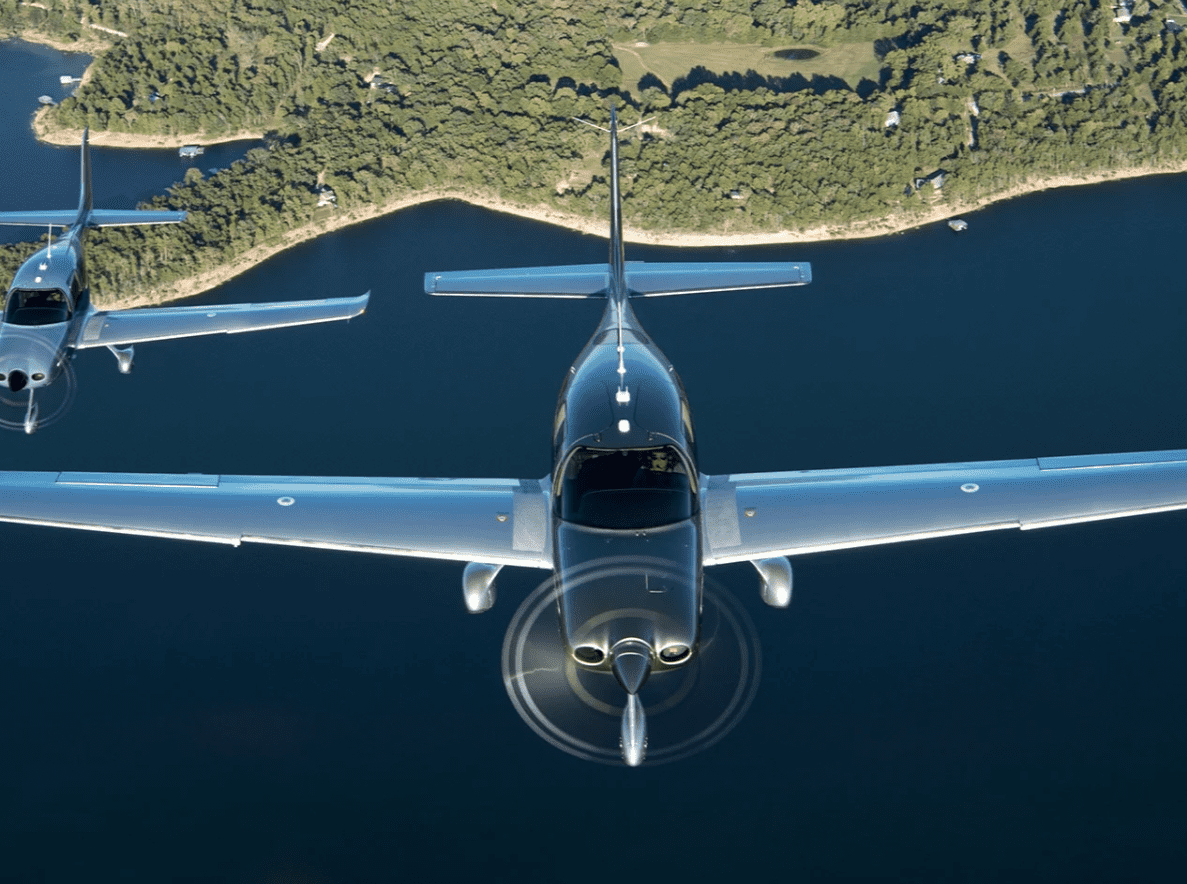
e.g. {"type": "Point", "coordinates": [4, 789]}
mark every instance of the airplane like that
{"type": "Point", "coordinates": [48, 314]}
{"type": "Point", "coordinates": [624, 522]}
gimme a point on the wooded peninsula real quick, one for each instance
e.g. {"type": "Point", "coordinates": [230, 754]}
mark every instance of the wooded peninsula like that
{"type": "Point", "coordinates": [770, 120]}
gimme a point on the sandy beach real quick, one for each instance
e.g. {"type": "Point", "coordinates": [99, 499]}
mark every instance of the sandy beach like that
{"type": "Point", "coordinates": [92, 46]}
{"type": "Point", "coordinates": [97, 137]}
{"type": "Point", "coordinates": [202, 282]}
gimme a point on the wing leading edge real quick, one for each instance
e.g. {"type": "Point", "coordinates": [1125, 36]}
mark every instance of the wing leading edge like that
{"type": "Point", "coordinates": [495, 521]}
{"type": "Point", "coordinates": [159, 323]}
{"type": "Point", "coordinates": [759, 515]}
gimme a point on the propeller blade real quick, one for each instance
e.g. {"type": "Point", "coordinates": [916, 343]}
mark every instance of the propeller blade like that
{"type": "Point", "coordinates": [633, 741]}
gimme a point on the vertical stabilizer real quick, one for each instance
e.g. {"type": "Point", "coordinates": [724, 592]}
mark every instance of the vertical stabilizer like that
{"type": "Point", "coordinates": [84, 198]}
{"type": "Point", "coordinates": [614, 280]}
{"type": "Point", "coordinates": [617, 255]}
{"type": "Point", "coordinates": [87, 215]}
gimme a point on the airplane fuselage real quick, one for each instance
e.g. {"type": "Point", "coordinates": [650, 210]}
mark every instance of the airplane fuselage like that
{"type": "Point", "coordinates": [626, 539]}
{"type": "Point", "coordinates": [47, 296]}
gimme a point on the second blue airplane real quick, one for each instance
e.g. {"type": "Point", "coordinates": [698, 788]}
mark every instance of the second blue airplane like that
{"type": "Point", "coordinates": [48, 312]}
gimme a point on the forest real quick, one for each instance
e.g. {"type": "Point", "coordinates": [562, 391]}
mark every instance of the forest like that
{"type": "Point", "coordinates": [384, 101]}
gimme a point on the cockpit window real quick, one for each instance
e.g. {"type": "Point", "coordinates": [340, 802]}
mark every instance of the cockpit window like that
{"type": "Point", "coordinates": [36, 307]}
{"type": "Point", "coordinates": [631, 488]}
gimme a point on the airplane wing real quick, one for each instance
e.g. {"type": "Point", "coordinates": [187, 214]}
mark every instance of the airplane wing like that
{"type": "Point", "coordinates": [759, 515]}
{"type": "Point", "coordinates": [104, 328]}
{"type": "Point", "coordinates": [643, 279]}
{"type": "Point", "coordinates": [494, 521]}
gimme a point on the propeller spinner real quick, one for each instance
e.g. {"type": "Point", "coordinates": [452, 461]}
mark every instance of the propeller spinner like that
{"type": "Point", "coordinates": [631, 663]}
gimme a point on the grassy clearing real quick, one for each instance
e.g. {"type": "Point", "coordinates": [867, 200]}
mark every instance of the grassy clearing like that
{"type": "Point", "coordinates": [1018, 47]}
{"type": "Point", "coordinates": [670, 61]}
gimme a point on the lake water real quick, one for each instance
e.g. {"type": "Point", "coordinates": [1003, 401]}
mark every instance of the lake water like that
{"type": "Point", "coordinates": [998, 706]}
{"type": "Point", "coordinates": [40, 176]}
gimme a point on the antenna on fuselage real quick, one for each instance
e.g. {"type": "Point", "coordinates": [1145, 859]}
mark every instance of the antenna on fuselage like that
{"type": "Point", "coordinates": [618, 290]}
{"type": "Point", "coordinates": [49, 249]}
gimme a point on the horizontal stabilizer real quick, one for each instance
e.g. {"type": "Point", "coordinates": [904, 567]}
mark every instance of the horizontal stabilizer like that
{"type": "Point", "coordinates": [654, 280]}
{"type": "Point", "coordinates": [96, 218]}
{"type": "Point", "coordinates": [62, 218]}
{"type": "Point", "coordinates": [642, 279]}
{"type": "Point", "coordinates": [120, 217]}
{"type": "Point", "coordinates": [566, 281]}
{"type": "Point", "coordinates": [120, 327]}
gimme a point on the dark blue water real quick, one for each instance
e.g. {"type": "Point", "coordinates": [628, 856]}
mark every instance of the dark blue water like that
{"type": "Point", "coordinates": [998, 706]}
{"type": "Point", "coordinates": [39, 176]}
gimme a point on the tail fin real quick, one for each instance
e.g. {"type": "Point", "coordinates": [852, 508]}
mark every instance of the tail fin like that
{"type": "Point", "coordinates": [617, 253]}
{"type": "Point", "coordinates": [85, 203]}
{"type": "Point", "coordinates": [87, 215]}
{"type": "Point", "coordinates": [618, 279]}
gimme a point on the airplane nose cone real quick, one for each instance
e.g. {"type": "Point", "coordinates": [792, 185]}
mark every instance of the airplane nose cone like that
{"type": "Point", "coordinates": [17, 380]}
{"type": "Point", "coordinates": [631, 664]}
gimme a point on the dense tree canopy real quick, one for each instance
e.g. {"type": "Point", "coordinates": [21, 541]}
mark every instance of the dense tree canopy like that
{"type": "Point", "coordinates": [381, 101]}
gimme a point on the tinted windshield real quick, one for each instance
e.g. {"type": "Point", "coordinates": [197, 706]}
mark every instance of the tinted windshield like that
{"type": "Point", "coordinates": [634, 488]}
{"type": "Point", "coordinates": [36, 307]}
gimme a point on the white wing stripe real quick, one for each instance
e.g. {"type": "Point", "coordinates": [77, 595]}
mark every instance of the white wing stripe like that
{"type": "Point", "coordinates": [1101, 517]}
{"type": "Point", "coordinates": [114, 529]}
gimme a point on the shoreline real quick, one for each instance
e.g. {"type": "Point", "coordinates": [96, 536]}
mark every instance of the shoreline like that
{"type": "Point", "coordinates": [127, 140]}
{"type": "Point", "coordinates": [84, 47]}
{"type": "Point", "coordinates": [210, 279]}
{"type": "Point", "coordinates": [937, 211]}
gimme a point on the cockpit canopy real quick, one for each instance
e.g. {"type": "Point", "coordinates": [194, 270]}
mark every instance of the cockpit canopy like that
{"type": "Point", "coordinates": [625, 488]}
{"type": "Point", "coordinates": [36, 307]}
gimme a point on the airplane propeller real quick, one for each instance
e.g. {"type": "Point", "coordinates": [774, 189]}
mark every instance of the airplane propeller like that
{"type": "Point", "coordinates": [580, 710]}
{"type": "Point", "coordinates": [31, 416]}
{"type": "Point", "coordinates": [28, 409]}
